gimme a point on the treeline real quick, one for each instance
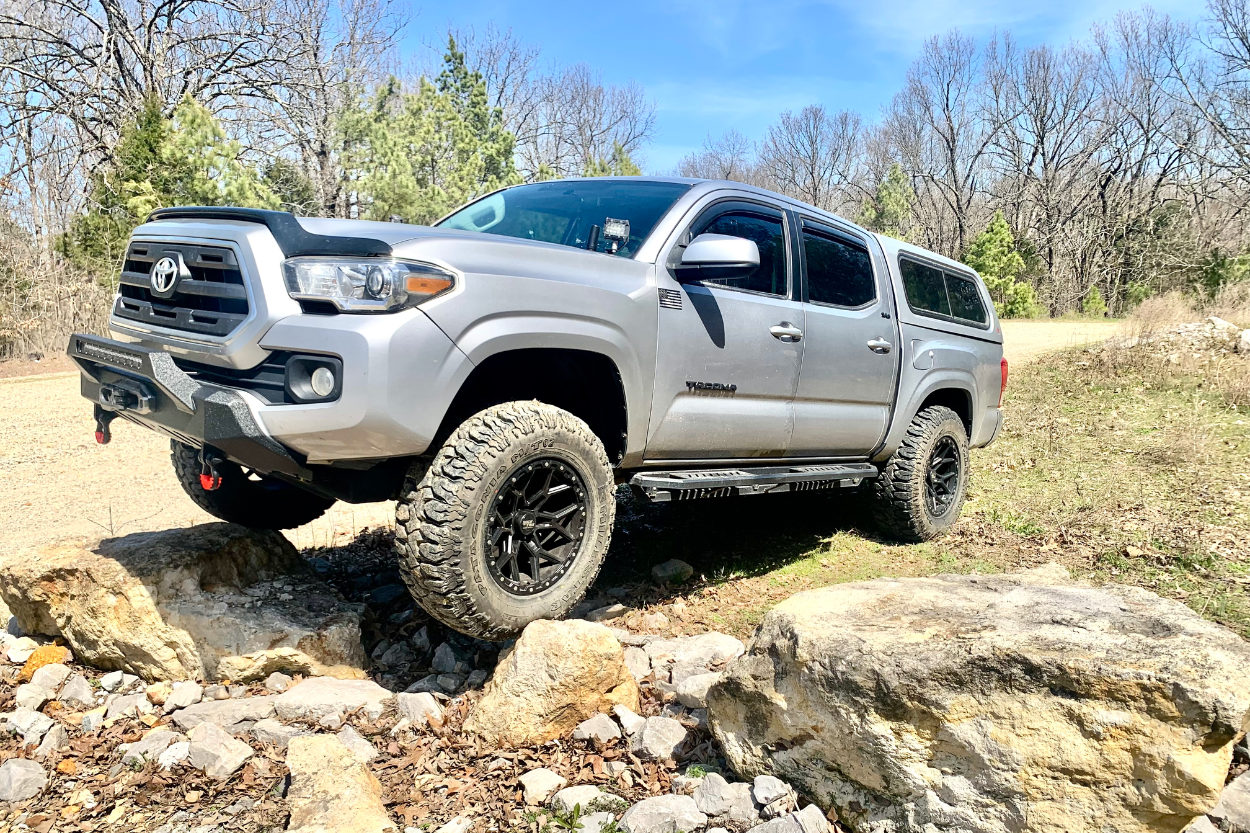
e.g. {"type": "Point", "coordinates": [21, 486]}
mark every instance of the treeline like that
{"type": "Point", "coordinates": [1082, 177]}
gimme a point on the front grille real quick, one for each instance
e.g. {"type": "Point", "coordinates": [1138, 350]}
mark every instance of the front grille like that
{"type": "Point", "coordinates": [267, 380]}
{"type": "Point", "coordinates": [209, 299]}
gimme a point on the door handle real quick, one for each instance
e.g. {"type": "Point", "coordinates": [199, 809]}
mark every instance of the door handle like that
{"type": "Point", "coordinates": [786, 330]}
{"type": "Point", "coordinates": [880, 345]}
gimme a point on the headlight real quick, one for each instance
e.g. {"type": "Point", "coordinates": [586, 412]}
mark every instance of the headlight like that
{"type": "Point", "coordinates": [365, 285]}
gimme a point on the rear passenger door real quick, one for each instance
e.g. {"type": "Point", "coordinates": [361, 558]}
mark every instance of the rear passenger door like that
{"type": "Point", "coordinates": [850, 358]}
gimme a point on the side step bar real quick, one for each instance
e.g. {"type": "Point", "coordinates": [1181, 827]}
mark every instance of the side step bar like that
{"type": "Point", "coordinates": [664, 486]}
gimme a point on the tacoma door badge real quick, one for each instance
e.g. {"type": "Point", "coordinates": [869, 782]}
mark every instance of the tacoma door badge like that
{"type": "Point", "coordinates": [717, 386]}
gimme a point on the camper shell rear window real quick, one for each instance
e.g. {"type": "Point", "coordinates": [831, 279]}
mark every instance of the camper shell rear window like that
{"type": "Point", "coordinates": [942, 293]}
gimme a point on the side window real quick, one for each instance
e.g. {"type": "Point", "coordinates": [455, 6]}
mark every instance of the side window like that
{"type": "Point", "coordinates": [769, 235]}
{"type": "Point", "coordinates": [965, 300]}
{"type": "Point", "coordinates": [925, 288]}
{"type": "Point", "coordinates": [838, 272]}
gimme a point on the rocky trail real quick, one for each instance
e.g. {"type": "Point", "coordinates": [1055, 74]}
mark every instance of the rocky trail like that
{"type": "Point", "coordinates": [257, 718]}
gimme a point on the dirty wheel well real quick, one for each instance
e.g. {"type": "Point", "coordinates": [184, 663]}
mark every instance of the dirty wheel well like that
{"type": "Point", "coordinates": [585, 384]}
{"type": "Point", "coordinates": [957, 400]}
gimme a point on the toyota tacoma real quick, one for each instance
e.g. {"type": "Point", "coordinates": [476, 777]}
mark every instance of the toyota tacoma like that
{"type": "Point", "coordinates": [500, 372]}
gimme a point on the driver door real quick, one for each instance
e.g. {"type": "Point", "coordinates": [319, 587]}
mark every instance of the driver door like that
{"type": "Point", "coordinates": [727, 367]}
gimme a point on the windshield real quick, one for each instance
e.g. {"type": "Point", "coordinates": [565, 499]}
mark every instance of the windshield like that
{"type": "Point", "coordinates": [604, 215]}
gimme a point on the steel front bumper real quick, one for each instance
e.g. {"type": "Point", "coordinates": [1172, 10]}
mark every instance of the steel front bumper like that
{"type": "Point", "coordinates": [144, 386]}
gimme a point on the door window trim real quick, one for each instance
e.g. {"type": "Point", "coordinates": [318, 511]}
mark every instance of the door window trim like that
{"type": "Point", "coordinates": [833, 231]}
{"type": "Point", "coordinates": [726, 205]}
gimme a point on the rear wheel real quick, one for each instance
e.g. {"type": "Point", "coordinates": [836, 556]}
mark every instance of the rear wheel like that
{"type": "Point", "coordinates": [921, 490]}
{"type": "Point", "coordinates": [244, 497]}
{"type": "Point", "coordinates": [509, 523]}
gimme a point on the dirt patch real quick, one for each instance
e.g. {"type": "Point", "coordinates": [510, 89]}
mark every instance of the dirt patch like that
{"type": "Point", "coordinates": [1024, 341]}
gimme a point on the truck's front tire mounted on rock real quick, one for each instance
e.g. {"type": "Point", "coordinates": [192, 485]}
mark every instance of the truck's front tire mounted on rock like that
{"type": "Point", "coordinates": [509, 523]}
{"type": "Point", "coordinates": [921, 489]}
{"type": "Point", "coordinates": [246, 499]}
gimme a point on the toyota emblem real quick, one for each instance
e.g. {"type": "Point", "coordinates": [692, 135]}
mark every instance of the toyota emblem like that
{"type": "Point", "coordinates": [164, 274]}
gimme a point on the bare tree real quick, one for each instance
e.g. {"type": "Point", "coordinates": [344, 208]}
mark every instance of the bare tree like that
{"type": "Point", "coordinates": [940, 131]}
{"type": "Point", "coordinates": [729, 157]}
{"type": "Point", "coordinates": [95, 62]}
{"type": "Point", "coordinates": [812, 155]}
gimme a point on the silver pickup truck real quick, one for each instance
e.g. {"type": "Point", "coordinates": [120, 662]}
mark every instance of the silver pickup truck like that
{"type": "Point", "coordinates": [499, 373]}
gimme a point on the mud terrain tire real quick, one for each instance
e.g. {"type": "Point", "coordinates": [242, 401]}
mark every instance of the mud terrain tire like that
{"type": "Point", "coordinates": [451, 519]}
{"type": "Point", "coordinates": [255, 502]}
{"type": "Point", "coordinates": [933, 458]}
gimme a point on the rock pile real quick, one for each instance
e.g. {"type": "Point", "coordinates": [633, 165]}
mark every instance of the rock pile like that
{"type": "Point", "coordinates": [990, 704]}
{"type": "Point", "coordinates": [210, 602]}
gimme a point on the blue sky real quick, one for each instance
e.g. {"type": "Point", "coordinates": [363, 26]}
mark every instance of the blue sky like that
{"type": "Point", "coordinates": [711, 65]}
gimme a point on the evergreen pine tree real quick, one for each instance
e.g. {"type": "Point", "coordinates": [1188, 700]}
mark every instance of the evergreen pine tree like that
{"type": "Point", "coordinates": [889, 210]}
{"type": "Point", "coordinates": [618, 163]}
{"type": "Point", "coordinates": [993, 254]}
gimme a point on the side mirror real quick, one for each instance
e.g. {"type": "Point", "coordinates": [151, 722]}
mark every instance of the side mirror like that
{"type": "Point", "coordinates": [718, 256]}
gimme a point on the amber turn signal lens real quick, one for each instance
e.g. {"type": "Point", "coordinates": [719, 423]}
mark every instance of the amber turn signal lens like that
{"type": "Point", "coordinates": [426, 286]}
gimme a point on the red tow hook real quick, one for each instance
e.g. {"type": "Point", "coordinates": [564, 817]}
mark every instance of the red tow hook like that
{"type": "Point", "coordinates": [102, 420]}
{"type": "Point", "coordinates": [210, 478]}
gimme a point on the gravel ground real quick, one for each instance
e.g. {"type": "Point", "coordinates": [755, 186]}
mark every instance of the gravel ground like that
{"type": "Point", "coordinates": [56, 482]}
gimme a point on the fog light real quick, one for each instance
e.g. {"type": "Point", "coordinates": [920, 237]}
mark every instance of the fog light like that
{"type": "Point", "coordinates": [322, 381]}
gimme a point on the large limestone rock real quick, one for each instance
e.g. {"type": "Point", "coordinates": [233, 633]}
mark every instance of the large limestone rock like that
{"type": "Point", "coordinates": [1021, 703]}
{"type": "Point", "coordinates": [555, 676]}
{"type": "Point", "coordinates": [331, 790]}
{"type": "Point", "coordinates": [215, 601]}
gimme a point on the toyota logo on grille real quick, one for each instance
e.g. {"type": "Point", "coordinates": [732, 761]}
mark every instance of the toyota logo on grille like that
{"type": "Point", "coordinates": [164, 274]}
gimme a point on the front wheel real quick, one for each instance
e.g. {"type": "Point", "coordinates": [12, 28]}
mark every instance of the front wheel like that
{"type": "Point", "coordinates": [921, 489]}
{"type": "Point", "coordinates": [509, 523]}
{"type": "Point", "coordinates": [244, 497]}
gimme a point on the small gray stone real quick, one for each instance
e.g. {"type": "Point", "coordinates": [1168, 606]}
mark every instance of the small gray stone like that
{"type": "Point", "coordinates": [663, 814]}
{"type": "Point", "coordinates": [595, 822]}
{"type": "Point", "coordinates": [706, 649]}
{"type": "Point", "coordinates": [216, 692]}
{"type": "Point", "coordinates": [77, 693]}
{"type": "Point", "coordinates": [630, 721]}
{"type": "Point", "coordinates": [128, 705]}
{"type": "Point", "coordinates": [174, 754]}
{"type": "Point", "coordinates": [215, 752]}
{"type": "Point", "coordinates": [599, 728]}
{"type": "Point", "coordinates": [421, 640]}
{"type": "Point", "coordinates": [444, 659]}
{"type": "Point", "coordinates": [51, 677]}
{"type": "Point", "coordinates": [477, 679]}
{"type": "Point", "coordinates": [786, 824]}
{"type": "Point", "coordinates": [419, 708]}
{"type": "Point", "coordinates": [638, 662]}
{"type": "Point", "coordinates": [237, 691]}
{"type": "Point", "coordinates": [774, 795]}
{"type": "Point", "coordinates": [31, 696]}
{"type": "Point", "coordinates": [229, 714]}
{"type": "Point", "coordinates": [672, 572]}
{"type": "Point", "coordinates": [660, 739]}
{"type": "Point", "coordinates": [692, 692]}
{"type": "Point", "coordinates": [426, 684]}
{"type": "Point", "coordinates": [111, 681]}
{"type": "Point", "coordinates": [91, 721]}
{"type": "Point", "coordinates": [30, 724]}
{"type": "Point", "coordinates": [21, 649]}
{"type": "Point", "coordinates": [183, 695]}
{"type": "Point", "coordinates": [607, 614]}
{"type": "Point", "coordinates": [272, 732]}
{"type": "Point", "coordinates": [811, 819]}
{"type": "Point", "coordinates": [539, 785]}
{"type": "Point", "coordinates": [590, 798]}
{"type": "Point", "coordinates": [397, 655]}
{"type": "Point", "coordinates": [358, 745]}
{"type": "Point", "coordinates": [451, 683]}
{"type": "Point", "coordinates": [277, 682]}
{"type": "Point", "coordinates": [318, 696]}
{"type": "Point", "coordinates": [21, 780]}
{"type": "Point", "coordinates": [150, 746]}
{"type": "Point", "coordinates": [719, 798]}
{"type": "Point", "coordinates": [1233, 809]}
{"type": "Point", "coordinates": [56, 740]}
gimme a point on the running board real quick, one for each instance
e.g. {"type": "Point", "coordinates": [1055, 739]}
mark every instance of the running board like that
{"type": "Point", "coordinates": [663, 486]}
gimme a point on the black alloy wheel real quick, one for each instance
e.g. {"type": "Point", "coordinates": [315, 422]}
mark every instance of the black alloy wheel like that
{"type": "Point", "coordinates": [942, 480]}
{"type": "Point", "coordinates": [536, 526]}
